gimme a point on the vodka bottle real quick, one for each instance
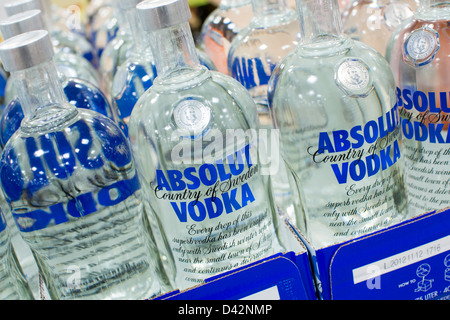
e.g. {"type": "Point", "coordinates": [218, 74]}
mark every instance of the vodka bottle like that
{"type": "Point", "coordinates": [103, 27]}
{"type": "Point", "coordinates": [220, 28]}
{"type": "Point", "coordinates": [216, 212]}
{"type": "Point", "coordinates": [272, 33]}
{"type": "Point", "coordinates": [69, 64]}
{"type": "Point", "coordinates": [333, 100]}
{"type": "Point", "coordinates": [68, 41]}
{"type": "Point", "coordinates": [420, 63]}
{"type": "Point", "coordinates": [13, 285]}
{"type": "Point", "coordinates": [79, 91]}
{"type": "Point", "coordinates": [116, 52]}
{"type": "Point", "coordinates": [137, 73]}
{"type": "Point", "coordinates": [70, 179]}
{"type": "Point", "coordinates": [373, 21]}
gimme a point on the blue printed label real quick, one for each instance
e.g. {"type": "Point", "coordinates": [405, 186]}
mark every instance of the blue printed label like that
{"type": "Point", "coordinates": [182, 188]}
{"type": "Point", "coordinates": [53, 153]}
{"type": "Point", "coordinates": [425, 116]}
{"type": "Point", "coordinates": [78, 207]}
{"type": "Point", "coordinates": [425, 119]}
{"type": "Point", "coordinates": [215, 215]}
{"type": "Point", "coordinates": [251, 72]}
{"type": "Point", "coordinates": [363, 151]}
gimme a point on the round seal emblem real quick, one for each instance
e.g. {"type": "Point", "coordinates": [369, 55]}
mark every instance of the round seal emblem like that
{"type": "Point", "coordinates": [192, 115]}
{"type": "Point", "coordinates": [353, 77]}
{"type": "Point", "coordinates": [421, 47]}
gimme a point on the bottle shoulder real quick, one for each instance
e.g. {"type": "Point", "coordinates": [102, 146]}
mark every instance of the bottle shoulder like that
{"type": "Point", "coordinates": [312, 61]}
{"type": "Point", "coordinates": [214, 99]}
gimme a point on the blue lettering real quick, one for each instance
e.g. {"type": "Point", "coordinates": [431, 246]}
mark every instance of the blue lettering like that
{"type": "Point", "coordinates": [231, 203]}
{"type": "Point", "coordinates": [84, 145]}
{"type": "Point", "coordinates": [357, 170]}
{"type": "Point", "coordinates": [243, 70]}
{"type": "Point", "coordinates": [162, 181]}
{"type": "Point", "coordinates": [354, 133]}
{"type": "Point", "coordinates": [373, 165]}
{"type": "Point", "coordinates": [247, 195]}
{"type": "Point", "coordinates": [385, 158]}
{"type": "Point", "coordinates": [81, 206]}
{"type": "Point", "coordinates": [340, 175]}
{"type": "Point", "coordinates": [188, 173]}
{"type": "Point", "coordinates": [210, 204]}
{"type": "Point", "coordinates": [420, 101]}
{"type": "Point", "coordinates": [341, 142]}
{"type": "Point", "coordinates": [180, 212]}
{"type": "Point", "coordinates": [176, 180]}
{"type": "Point", "coordinates": [432, 102]}
{"type": "Point", "coordinates": [435, 132]}
{"type": "Point", "coordinates": [40, 179]}
{"type": "Point", "coordinates": [208, 179]}
{"type": "Point", "coordinates": [78, 207]}
{"type": "Point", "coordinates": [40, 219]}
{"type": "Point", "coordinates": [371, 135]}
{"type": "Point", "coordinates": [201, 211]}
{"type": "Point", "coordinates": [11, 175]}
{"type": "Point", "coordinates": [325, 143]}
{"type": "Point", "coordinates": [408, 102]}
{"type": "Point", "coordinates": [52, 158]}
{"type": "Point", "coordinates": [122, 190]}
{"type": "Point", "coordinates": [115, 145]}
{"type": "Point", "coordinates": [420, 130]}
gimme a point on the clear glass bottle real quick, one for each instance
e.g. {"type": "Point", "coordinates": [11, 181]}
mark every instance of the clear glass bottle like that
{"type": "Point", "coordinates": [420, 61]}
{"type": "Point", "coordinates": [272, 33]}
{"type": "Point", "coordinates": [13, 284]}
{"type": "Point", "coordinates": [333, 100]}
{"type": "Point", "coordinates": [137, 73]}
{"type": "Point", "coordinates": [75, 73]}
{"type": "Point", "coordinates": [69, 64]}
{"type": "Point", "coordinates": [103, 26]}
{"type": "Point", "coordinates": [220, 28]}
{"type": "Point", "coordinates": [373, 21]}
{"type": "Point", "coordinates": [68, 41]}
{"type": "Point", "coordinates": [217, 213]}
{"type": "Point", "coordinates": [116, 52]}
{"type": "Point", "coordinates": [70, 179]}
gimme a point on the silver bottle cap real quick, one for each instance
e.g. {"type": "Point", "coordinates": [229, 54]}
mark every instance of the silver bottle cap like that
{"type": "Point", "coordinates": [26, 50]}
{"type": "Point", "coordinates": [22, 22]}
{"type": "Point", "coordinates": [16, 6]}
{"type": "Point", "coordinates": [159, 14]}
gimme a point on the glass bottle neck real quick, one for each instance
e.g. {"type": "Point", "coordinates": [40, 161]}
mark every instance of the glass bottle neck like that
{"type": "Point", "coordinates": [140, 40]}
{"type": "Point", "coordinates": [174, 50]}
{"type": "Point", "coordinates": [267, 7]}
{"type": "Point", "coordinates": [320, 21]}
{"type": "Point", "coordinates": [40, 94]}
